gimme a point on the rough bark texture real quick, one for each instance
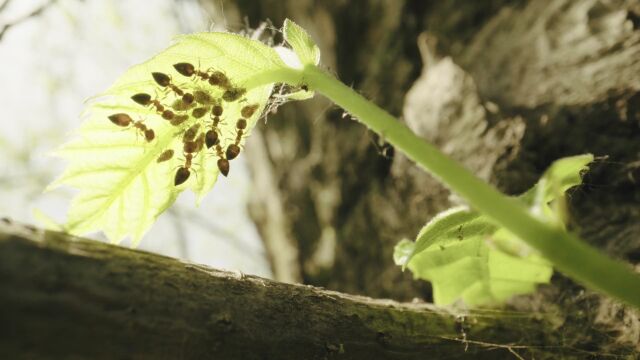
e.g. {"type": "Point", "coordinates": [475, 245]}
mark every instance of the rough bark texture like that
{"type": "Point", "coordinates": [67, 298]}
{"type": "Point", "coordinates": [505, 87]}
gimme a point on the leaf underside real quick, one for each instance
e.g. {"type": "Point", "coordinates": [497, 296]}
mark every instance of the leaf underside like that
{"type": "Point", "coordinates": [122, 185]}
{"type": "Point", "coordinates": [469, 258]}
{"type": "Point", "coordinates": [127, 171]}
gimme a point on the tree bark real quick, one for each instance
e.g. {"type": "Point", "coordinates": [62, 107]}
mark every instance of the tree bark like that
{"type": "Point", "coordinates": [64, 297]}
{"type": "Point", "coordinates": [505, 87]}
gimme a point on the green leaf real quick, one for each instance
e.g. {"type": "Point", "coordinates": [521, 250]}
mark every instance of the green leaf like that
{"type": "Point", "coordinates": [467, 257]}
{"type": "Point", "coordinates": [302, 44]}
{"type": "Point", "coordinates": [403, 251]}
{"type": "Point", "coordinates": [122, 185]}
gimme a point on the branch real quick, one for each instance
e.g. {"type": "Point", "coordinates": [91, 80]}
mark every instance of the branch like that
{"type": "Point", "coordinates": [32, 14]}
{"type": "Point", "coordinates": [64, 297]}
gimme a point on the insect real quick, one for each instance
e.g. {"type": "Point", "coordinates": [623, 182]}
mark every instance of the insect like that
{"type": "Point", "coordinates": [233, 150]}
{"type": "Point", "coordinates": [218, 78]}
{"type": "Point", "coordinates": [202, 97]}
{"type": "Point", "coordinates": [124, 120]}
{"type": "Point", "coordinates": [199, 112]}
{"type": "Point", "coordinates": [178, 119]}
{"type": "Point", "coordinates": [165, 81]}
{"type": "Point", "coordinates": [211, 137]}
{"type": "Point", "coordinates": [166, 155]}
{"type": "Point", "coordinates": [188, 70]}
{"type": "Point", "coordinates": [190, 148]}
{"type": "Point", "coordinates": [248, 111]}
{"type": "Point", "coordinates": [183, 172]}
{"type": "Point", "coordinates": [194, 146]}
{"type": "Point", "coordinates": [223, 164]}
{"type": "Point", "coordinates": [180, 105]}
{"type": "Point", "coordinates": [233, 94]}
{"type": "Point", "coordinates": [191, 133]}
{"type": "Point", "coordinates": [146, 100]}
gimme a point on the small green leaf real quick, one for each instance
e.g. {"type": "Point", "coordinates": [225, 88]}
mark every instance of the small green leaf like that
{"type": "Point", "coordinates": [302, 44]}
{"type": "Point", "coordinates": [402, 252]}
{"type": "Point", "coordinates": [124, 184]}
{"type": "Point", "coordinates": [562, 175]}
{"type": "Point", "coordinates": [467, 257]}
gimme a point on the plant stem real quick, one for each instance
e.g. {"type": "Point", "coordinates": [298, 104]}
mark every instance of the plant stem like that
{"type": "Point", "coordinates": [567, 252]}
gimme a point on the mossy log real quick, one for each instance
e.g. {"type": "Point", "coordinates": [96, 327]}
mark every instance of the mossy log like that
{"type": "Point", "coordinates": [63, 297]}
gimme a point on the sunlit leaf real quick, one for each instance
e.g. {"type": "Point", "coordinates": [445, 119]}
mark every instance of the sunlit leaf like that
{"type": "Point", "coordinates": [302, 44]}
{"type": "Point", "coordinates": [467, 257]}
{"type": "Point", "coordinates": [126, 179]}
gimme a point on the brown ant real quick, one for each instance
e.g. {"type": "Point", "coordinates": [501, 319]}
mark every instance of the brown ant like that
{"type": "Point", "coordinates": [216, 78]}
{"type": "Point", "coordinates": [174, 119]}
{"type": "Point", "coordinates": [223, 164]}
{"type": "Point", "coordinates": [233, 150]}
{"type": "Point", "coordinates": [165, 81]}
{"type": "Point", "coordinates": [211, 137]}
{"type": "Point", "coordinates": [190, 148]}
{"type": "Point", "coordinates": [183, 172]}
{"type": "Point", "coordinates": [124, 120]}
{"type": "Point", "coordinates": [188, 70]}
{"type": "Point", "coordinates": [166, 155]}
{"type": "Point", "coordinates": [146, 100]}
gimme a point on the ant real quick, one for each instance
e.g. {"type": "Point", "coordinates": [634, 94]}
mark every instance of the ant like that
{"type": "Point", "coordinates": [166, 155]}
{"type": "Point", "coordinates": [183, 172]}
{"type": "Point", "coordinates": [211, 137]}
{"type": "Point", "coordinates": [124, 120]}
{"type": "Point", "coordinates": [194, 146]}
{"type": "Point", "coordinates": [190, 148]}
{"type": "Point", "coordinates": [216, 78]}
{"type": "Point", "coordinates": [223, 164]}
{"type": "Point", "coordinates": [146, 100]}
{"type": "Point", "coordinates": [165, 81]}
{"type": "Point", "coordinates": [233, 150]}
{"type": "Point", "coordinates": [188, 70]}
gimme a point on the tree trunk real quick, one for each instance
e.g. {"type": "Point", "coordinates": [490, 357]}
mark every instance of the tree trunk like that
{"type": "Point", "coordinates": [505, 87]}
{"type": "Point", "coordinates": [68, 298]}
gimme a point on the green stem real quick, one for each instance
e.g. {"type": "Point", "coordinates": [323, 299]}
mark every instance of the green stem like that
{"type": "Point", "coordinates": [566, 251]}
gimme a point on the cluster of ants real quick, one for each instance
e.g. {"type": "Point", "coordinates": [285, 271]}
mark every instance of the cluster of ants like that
{"type": "Point", "coordinates": [199, 103]}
